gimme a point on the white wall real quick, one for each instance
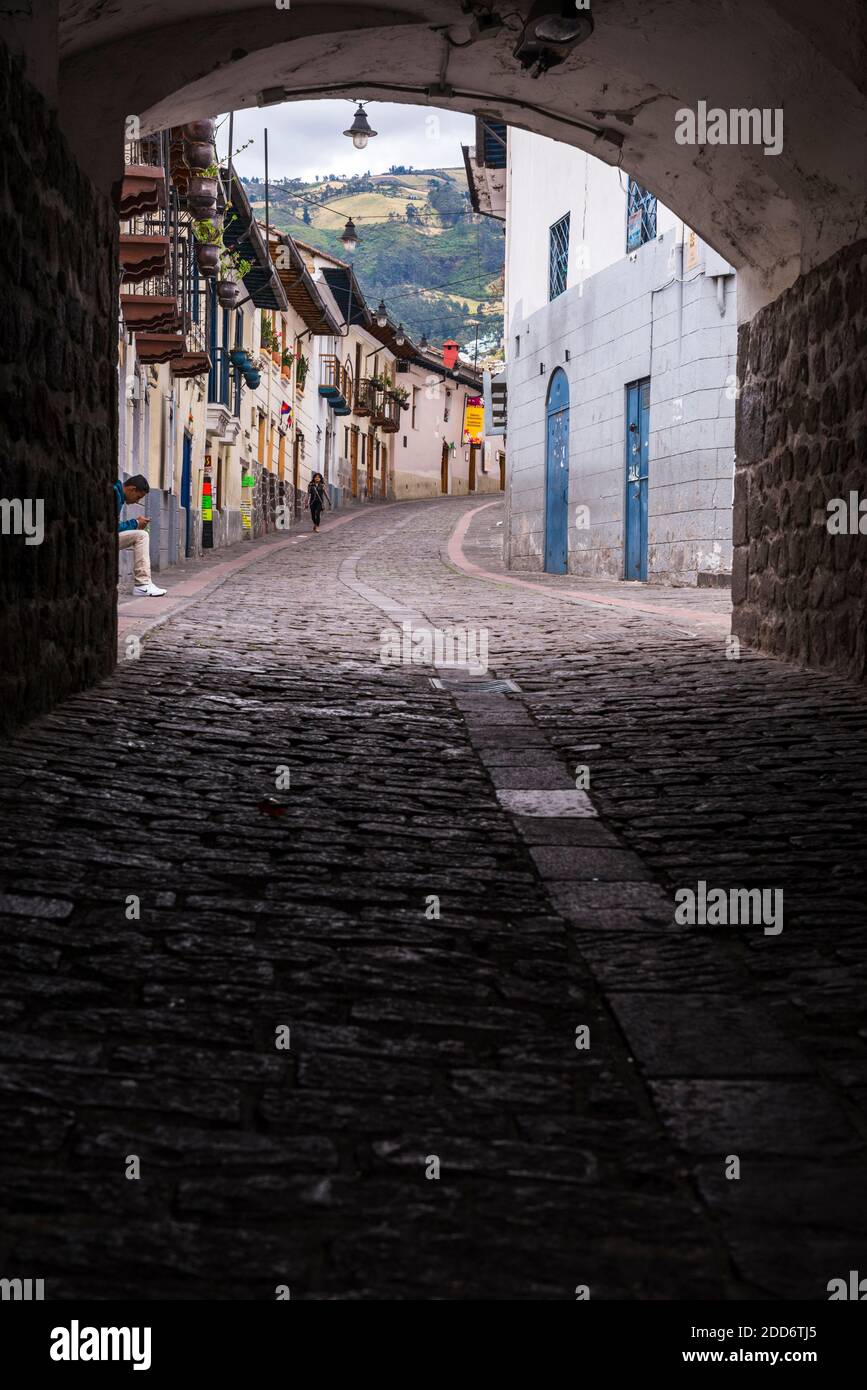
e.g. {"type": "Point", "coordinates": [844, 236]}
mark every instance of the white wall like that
{"type": "Point", "coordinates": [639, 317]}
{"type": "Point", "coordinates": [417, 450]}
{"type": "Point", "coordinates": [547, 180]}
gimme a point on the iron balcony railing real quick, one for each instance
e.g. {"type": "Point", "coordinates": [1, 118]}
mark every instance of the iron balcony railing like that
{"type": "Point", "coordinates": [386, 411]}
{"type": "Point", "coordinates": [365, 396]}
{"type": "Point", "coordinates": [335, 383]}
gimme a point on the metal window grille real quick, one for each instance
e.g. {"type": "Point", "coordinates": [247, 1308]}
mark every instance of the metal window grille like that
{"type": "Point", "coordinates": [558, 257]}
{"type": "Point", "coordinates": [640, 216]}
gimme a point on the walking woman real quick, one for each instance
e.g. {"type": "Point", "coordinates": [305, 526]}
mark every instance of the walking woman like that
{"type": "Point", "coordinates": [317, 494]}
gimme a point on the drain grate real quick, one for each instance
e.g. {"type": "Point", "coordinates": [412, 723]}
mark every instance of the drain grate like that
{"type": "Point", "coordinates": [477, 685]}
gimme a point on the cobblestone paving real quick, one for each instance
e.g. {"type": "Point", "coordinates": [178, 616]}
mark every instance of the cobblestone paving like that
{"type": "Point", "coordinates": [417, 1037]}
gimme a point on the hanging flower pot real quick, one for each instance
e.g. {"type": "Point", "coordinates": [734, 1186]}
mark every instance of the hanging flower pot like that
{"type": "Point", "coordinates": [252, 379]}
{"type": "Point", "coordinates": [199, 130]}
{"type": "Point", "coordinates": [227, 293]}
{"type": "Point", "coordinates": [201, 192]}
{"type": "Point", "coordinates": [239, 357]}
{"type": "Point", "coordinates": [207, 259]}
{"type": "Point", "coordinates": [199, 154]}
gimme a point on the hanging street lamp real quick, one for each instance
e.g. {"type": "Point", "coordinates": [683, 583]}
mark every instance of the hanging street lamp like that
{"type": "Point", "coordinates": [381, 314]}
{"type": "Point", "coordinates": [360, 132]}
{"type": "Point", "coordinates": [423, 342]}
{"type": "Point", "coordinates": [350, 235]}
{"type": "Point", "coordinates": [400, 336]}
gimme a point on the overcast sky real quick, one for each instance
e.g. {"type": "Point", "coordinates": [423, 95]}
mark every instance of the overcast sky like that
{"type": "Point", "coordinates": [305, 138]}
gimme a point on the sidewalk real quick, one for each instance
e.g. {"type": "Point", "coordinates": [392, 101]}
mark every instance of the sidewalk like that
{"type": "Point", "coordinates": [185, 583]}
{"type": "Point", "coordinates": [475, 548]}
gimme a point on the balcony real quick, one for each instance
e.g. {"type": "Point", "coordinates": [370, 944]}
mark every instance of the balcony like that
{"type": "Point", "coordinates": [386, 411]}
{"type": "Point", "coordinates": [333, 384]}
{"type": "Point", "coordinates": [365, 396]}
{"type": "Point", "coordinates": [143, 255]}
{"type": "Point", "coordinates": [150, 313]}
{"type": "Point", "coordinates": [193, 362]}
{"type": "Point", "coordinates": [141, 190]}
{"type": "Point", "coordinates": [153, 348]}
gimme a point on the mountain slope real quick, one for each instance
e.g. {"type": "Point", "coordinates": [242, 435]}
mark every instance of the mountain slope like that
{"type": "Point", "coordinates": [420, 247]}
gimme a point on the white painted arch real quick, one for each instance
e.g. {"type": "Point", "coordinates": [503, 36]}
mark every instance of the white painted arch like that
{"type": "Point", "coordinates": [616, 95]}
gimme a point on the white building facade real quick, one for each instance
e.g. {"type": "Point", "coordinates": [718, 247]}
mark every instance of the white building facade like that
{"type": "Point", "coordinates": [621, 341]}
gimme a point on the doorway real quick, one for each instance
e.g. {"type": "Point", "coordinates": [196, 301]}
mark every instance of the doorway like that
{"type": "Point", "coordinates": [557, 475]}
{"type": "Point", "coordinates": [637, 455]}
{"type": "Point", "coordinates": [471, 486]}
{"type": "Point", "coordinates": [187, 489]}
{"type": "Point", "coordinates": [444, 471]}
{"type": "Point", "coordinates": [296, 478]}
{"type": "Point", "coordinates": [353, 456]}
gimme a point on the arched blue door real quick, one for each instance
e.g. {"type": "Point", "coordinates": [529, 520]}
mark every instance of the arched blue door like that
{"type": "Point", "coordinates": [557, 475]}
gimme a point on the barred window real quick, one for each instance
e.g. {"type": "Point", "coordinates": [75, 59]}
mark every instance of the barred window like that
{"type": "Point", "coordinates": [558, 256]}
{"type": "Point", "coordinates": [640, 216]}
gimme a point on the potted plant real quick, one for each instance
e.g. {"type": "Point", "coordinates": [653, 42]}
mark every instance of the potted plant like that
{"type": "Point", "coordinates": [228, 293]}
{"type": "Point", "coordinates": [199, 131]}
{"type": "Point", "coordinates": [232, 269]}
{"type": "Point", "coordinates": [208, 259]}
{"type": "Point", "coordinates": [269, 341]}
{"type": "Point", "coordinates": [286, 363]}
{"type": "Point", "coordinates": [240, 357]}
{"type": "Point", "coordinates": [209, 239]}
{"type": "Point", "coordinates": [302, 367]}
{"type": "Point", "coordinates": [401, 395]}
{"type": "Point", "coordinates": [202, 188]}
{"type": "Point", "coordinates": [199, 155]}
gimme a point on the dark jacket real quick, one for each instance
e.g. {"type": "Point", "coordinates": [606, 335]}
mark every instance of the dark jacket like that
{"type": "Point", "coordinates": [317, 495]}
{"type": "Point", "coordinates": [120, 499]}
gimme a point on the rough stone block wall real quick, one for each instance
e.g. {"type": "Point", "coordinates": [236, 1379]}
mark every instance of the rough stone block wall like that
{"type": "Point", "coordinates": [58, 409]}
{"type": "Point", "coordinates": [801, 440]}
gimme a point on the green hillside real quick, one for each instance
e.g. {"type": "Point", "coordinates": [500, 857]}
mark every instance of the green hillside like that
{"type": "Point", "coordinates": [438, 267]}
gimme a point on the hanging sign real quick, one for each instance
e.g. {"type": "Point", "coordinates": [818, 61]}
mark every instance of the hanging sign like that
{"type": "Point", "coordinates": [474, 420]}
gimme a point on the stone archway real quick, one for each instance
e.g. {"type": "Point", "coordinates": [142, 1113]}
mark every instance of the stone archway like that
{"type": "Point", "coordinates": [792, 223]}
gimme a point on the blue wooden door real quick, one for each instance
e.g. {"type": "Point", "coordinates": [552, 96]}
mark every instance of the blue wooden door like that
{"type": "Point", "coordinates": [186, 488]}
{"type": "Point", "coordinates": [557, 475]}
{"type": "Point", "coordinates": [637, 454]}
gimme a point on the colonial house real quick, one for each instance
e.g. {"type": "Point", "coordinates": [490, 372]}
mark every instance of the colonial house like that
{"type": "Point", "coordinates": [248, 361]}
{"type": "Point", "coordinates": [620, 331]}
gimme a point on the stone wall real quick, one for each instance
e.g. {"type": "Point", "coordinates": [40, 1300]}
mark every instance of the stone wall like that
{"type": "Point", "coordinates": [801, 440]}
{"type": "Point", "coordinates": [58, 409]}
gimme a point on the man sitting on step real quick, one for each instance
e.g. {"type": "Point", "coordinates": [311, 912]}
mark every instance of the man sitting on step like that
{"type": "Point", "coordinates": [135, 534]}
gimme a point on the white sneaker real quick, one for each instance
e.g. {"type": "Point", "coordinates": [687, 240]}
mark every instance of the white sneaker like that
{"type": "Point", "coordinates": [148, 591]}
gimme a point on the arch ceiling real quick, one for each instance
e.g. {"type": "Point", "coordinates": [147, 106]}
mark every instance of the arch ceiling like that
{"type": "Point", "coordinates": [615, 95]}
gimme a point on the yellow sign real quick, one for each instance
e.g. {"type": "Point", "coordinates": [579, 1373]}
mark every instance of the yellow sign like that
{"type": "Point", "coordinates": [474, 420]}
{"type": "Point", "coordinates": [691, 250]}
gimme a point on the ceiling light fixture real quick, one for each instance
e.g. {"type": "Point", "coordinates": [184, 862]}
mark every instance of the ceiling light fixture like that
{"type": "Point", "coordinates": [360, 132]}
{"type": "Point", "coordinates": [552, 29]}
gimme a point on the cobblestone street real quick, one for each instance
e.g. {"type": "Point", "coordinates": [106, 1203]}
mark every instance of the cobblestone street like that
{"type": "Point", "coordinates": [434, 1034]}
